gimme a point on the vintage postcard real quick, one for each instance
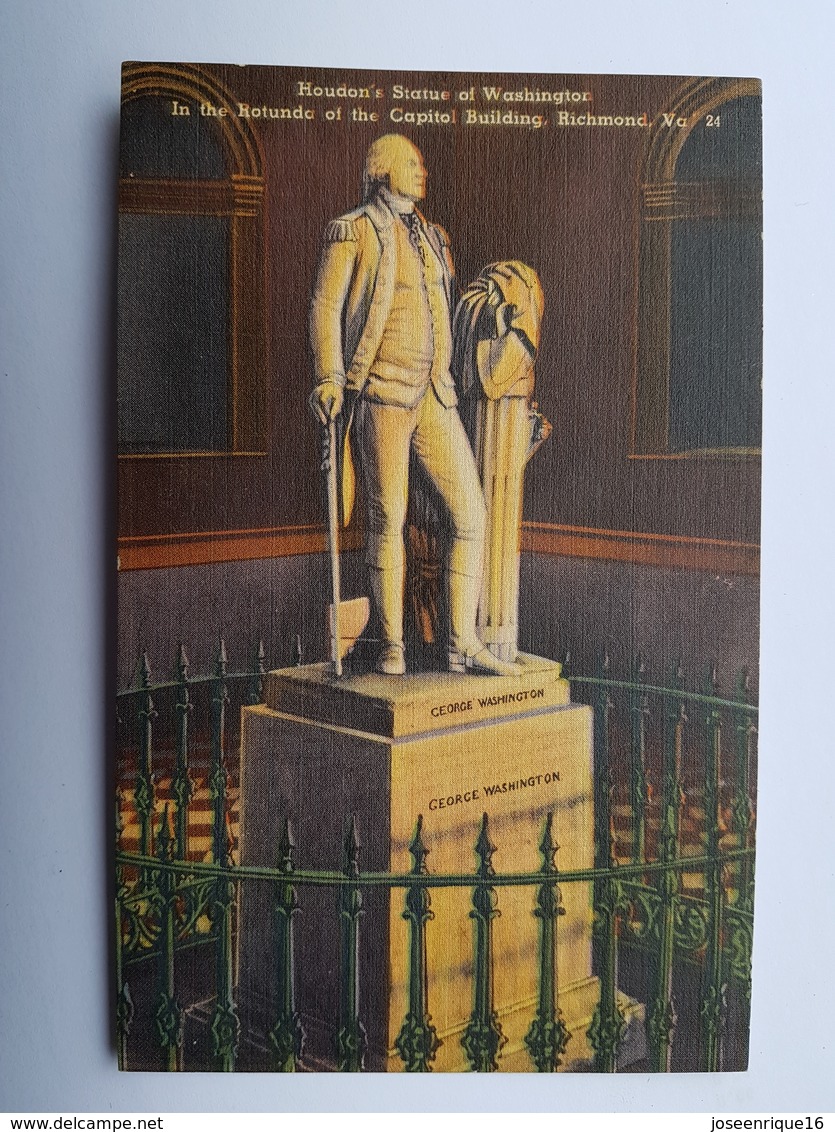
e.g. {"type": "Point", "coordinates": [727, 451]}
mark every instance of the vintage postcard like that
{"type": "Point", "coordinates": [439, 413]}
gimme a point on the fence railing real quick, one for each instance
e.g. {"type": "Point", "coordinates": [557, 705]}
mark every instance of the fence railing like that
{"type": "Point", "coordinates": [671, 888]}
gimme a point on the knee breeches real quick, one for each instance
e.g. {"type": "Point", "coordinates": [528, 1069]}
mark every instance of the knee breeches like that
{"type": "Point", "coordinates": [387, 435]}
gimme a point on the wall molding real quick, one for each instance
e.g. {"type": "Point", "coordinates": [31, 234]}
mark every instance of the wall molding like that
{"type": "Point", "coordinates": [721, 556]}
{"type": "Point", "coordinates": [718, 555]}
{"type": "Point", "coordinates": [154, 552]}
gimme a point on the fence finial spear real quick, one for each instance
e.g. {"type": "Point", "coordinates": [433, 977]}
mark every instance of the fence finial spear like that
{"type": "Point", "coordinates": [181, 662]}
{"type": "Point", "coordinates": [678, 710]}
{"type": "Point", "coordinates": [351, 847]}
{"type": "Point", "coordinates": [286, 846]}
{"type": "Point", "coordinates": [418, 849]}
{"type": "Point", "coordinates": [547, 846]}
{"type": "Point", "coordinates": [485, 849]}
{"type": "Point", "coordinates": [164, 835]}
{"type": "Point", "coordinates": [256, 691]}
{"type": "Point", "coordinates": [713, 688]}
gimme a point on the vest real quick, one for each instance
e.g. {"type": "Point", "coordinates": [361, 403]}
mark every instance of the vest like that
{"type": "Point", "coordinates": [416, 345]}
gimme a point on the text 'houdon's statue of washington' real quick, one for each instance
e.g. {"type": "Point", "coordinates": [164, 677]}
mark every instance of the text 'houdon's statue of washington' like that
{"type": "Point", "coordinates": [382, 345]}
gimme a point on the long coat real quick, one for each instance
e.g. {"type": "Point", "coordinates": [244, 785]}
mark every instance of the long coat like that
{"type": "Point", "coordinates": [353, 294]}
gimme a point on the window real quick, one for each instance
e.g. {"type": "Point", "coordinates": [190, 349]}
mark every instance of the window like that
{"type": "Point", "coordinates": [699, 355]}
{"type": "Point", "coordinates": [191, 295]}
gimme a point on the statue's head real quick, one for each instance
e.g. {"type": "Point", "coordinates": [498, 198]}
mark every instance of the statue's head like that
{"type": "Point", "coordinates": [393, 162]}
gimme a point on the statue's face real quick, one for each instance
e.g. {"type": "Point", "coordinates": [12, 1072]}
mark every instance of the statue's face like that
{"type": "Point", "coordinates": [407, 173]}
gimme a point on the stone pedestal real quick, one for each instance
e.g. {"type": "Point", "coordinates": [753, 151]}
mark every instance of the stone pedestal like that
{"type": "Point", "coordinates": [388, 749]}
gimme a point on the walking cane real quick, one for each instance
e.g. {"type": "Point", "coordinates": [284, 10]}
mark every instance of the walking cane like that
{"type": "Point", "coordinates": [329, 464]}
{"type": "Point", "coordinates": [346, 619]}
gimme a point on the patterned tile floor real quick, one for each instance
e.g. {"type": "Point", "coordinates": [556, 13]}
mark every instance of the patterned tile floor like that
{"type": "Point", "coordinates": [692, 832]}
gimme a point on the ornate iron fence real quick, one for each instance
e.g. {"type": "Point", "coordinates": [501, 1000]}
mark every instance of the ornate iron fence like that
{"type": "Point", "coordinates": [672, 887]}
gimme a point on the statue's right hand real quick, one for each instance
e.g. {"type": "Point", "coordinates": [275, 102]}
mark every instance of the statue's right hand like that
{"type": "Point", "coordinates": [326, 401]}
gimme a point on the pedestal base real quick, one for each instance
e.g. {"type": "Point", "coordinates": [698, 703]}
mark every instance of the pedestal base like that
{"type": "Point", "coordinates": [385, 750]}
